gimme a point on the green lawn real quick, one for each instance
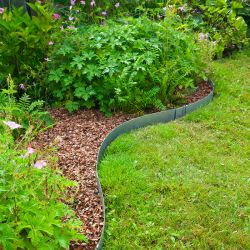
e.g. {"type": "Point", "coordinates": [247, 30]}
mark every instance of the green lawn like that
{"type": "Point", "coordinates": [185, 184]}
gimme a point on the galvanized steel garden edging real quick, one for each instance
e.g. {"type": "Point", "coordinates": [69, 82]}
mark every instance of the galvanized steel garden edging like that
{"type": "Point", "coordinates": [140, 122]}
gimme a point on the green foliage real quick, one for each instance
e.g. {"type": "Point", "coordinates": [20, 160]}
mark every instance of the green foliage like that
{"type": "Point", "coordinates": [31, 214]}
{"type": "Point", "coordinates": [119, 65]}
{"type": "Point", "coordinates": [245, 11]}
{"type": "Point", "coordinates": [221, 19]}
{"type": "Point", "coordinates": [32, 189]}
{"type": "Point", "coordinates": [24, 45]}
{"type": "Point", "coordinates": [30, 115]}
{"type": "Point", "coordinates": [217, 18]}
{"type": "Point", "coordinates": [103, 9]}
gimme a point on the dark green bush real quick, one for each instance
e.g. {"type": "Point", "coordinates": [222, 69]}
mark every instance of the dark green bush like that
{"type": "Point", "coordinates": [24, 44]}
{"type": "Point", "coordinates": [217, 18]}
{"type": "Point", "coordinates": [131, 66]}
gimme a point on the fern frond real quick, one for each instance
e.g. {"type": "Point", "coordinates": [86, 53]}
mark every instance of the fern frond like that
{"type": "Point", "coordinates": [36, 106]}
{"type": "Point", "coordinates": [24, 103]}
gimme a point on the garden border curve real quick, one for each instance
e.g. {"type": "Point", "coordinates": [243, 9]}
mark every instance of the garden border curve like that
{"type": "Point", "coordinates": [140, 122]}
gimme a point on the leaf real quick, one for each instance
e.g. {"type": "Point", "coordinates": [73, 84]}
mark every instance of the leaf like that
{"type": "Point", "coordinates": [84, 93]}
{"type": "Point", "coordinates": [7, 236]}
{"type": "Point", "coordinates": [72, 106]}
{"type": "Point", "coordinates": [55, 75]}
{"type": "Point", "coordinates": [66, 49]}
{"type": "Point", "coordinates": [78, 61]}
{"type": "Point", "coordinates": [35, 236]}
{"type": "Point", "coordinates": [91, 70]}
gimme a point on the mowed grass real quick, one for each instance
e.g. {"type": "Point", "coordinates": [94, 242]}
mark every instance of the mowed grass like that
{"type": "Point", "coordinates": [185, 184]}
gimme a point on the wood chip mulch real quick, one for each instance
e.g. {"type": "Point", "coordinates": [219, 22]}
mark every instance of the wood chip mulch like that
{"type": "Point", "coordinates": [203, 89]}
{"type": "Point", "coordinates": [79, 136]}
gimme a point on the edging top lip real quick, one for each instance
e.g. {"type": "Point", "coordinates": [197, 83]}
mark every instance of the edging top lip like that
{"type": "Point", "coordinates": [140, 122]}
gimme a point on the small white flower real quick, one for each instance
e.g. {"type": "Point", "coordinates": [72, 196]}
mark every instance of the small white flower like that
{"type": "Point", "coordinates": [12, 125]}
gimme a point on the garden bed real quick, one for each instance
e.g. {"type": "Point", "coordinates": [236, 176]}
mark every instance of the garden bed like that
{"type": "Point", "coordinates": [84, 56]}
{"type": "Point", "coordinates": [78, 137]}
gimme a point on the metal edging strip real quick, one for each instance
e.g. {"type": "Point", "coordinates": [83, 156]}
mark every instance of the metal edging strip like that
{"type": "Point", "coordinates": [140, 122]}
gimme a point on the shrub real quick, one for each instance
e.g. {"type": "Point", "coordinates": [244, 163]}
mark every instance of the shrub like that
{"type": "Point", "coordinates": [24, 44]}
{"type": "Point", "coordinates": [217, 18]}
{"type": "Point", "coordinates": [95, 10]}
{"type": "Point", "coordinates": [130, 65]}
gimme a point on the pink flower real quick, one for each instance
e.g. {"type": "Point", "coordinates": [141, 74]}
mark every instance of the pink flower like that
{"type": "Point", "coordinates": [47, 59]}
{"type": "Point", "coordinates": [72, 2]}
{"type": "Point", "coordinates": [40, 164]}
{"type": "Point", "coordinates": [12, 125]}
{"type": "Point", "coordinates": [92, 3]}
{"type": "Point", "coordinates": [56, 16]}
{"type": "Point", "coordinates": [203, 36]}
{"type": "Point", "coordinates": [29, 152]}
{"type": "Point", "coordinates": [50, 43]}
{"type": "Point", "coordinates": [83, 2]}
{"type": "Point", "coordinates": [71, 18]}
{"type": "Point", "coordinates": [117, 5]}
{"type": "Point", "coordinates": [181, 8]}
{"type": "Point", "coordinates": [1, 10]}
{"type": "Point", "coordinates": [21, 86]}
{"type": "Point", "coordinates": [104, 13]}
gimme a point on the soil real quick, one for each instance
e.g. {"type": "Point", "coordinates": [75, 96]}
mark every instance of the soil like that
{"type": "Point", "coordinates": [78, 137]}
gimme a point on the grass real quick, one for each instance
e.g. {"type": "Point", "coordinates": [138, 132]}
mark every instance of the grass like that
{"type": "Point", "coordinates": [185, 184]}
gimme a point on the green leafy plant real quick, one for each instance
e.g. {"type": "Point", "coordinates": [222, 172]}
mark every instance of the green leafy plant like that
{"type": "Point", "coordinates": [95, 11]}
{"type": "Point", "coordinates": [32, 215]}
{"type": "Point", "coordinates": [219, 19]}
{"type": "Point", "coordinates": [30, 115]}
{"type": "Point", "coordinates": [32, 189]}
{"type": "Point", "coordinates": [24, 45]}
{"type": "Point", "coordinates": [120, 64]}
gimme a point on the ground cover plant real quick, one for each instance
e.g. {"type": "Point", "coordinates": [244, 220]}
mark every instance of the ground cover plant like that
{"type": "Point", "coordinates": [32, 212]}
{"type": "Point", "coordinates": [130, 66]}
{"type": "Point", "coordinates": [185, 184]}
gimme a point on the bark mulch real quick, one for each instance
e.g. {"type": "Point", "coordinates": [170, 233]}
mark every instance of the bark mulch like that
{"type": "Point", "coordinates": [80, 135]}
{"type": "Point", "coordinates": [203, 89]}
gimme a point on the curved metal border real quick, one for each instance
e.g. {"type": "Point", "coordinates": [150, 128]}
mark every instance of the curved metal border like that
{"type": "Point", "coordinates": [140, 122]}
